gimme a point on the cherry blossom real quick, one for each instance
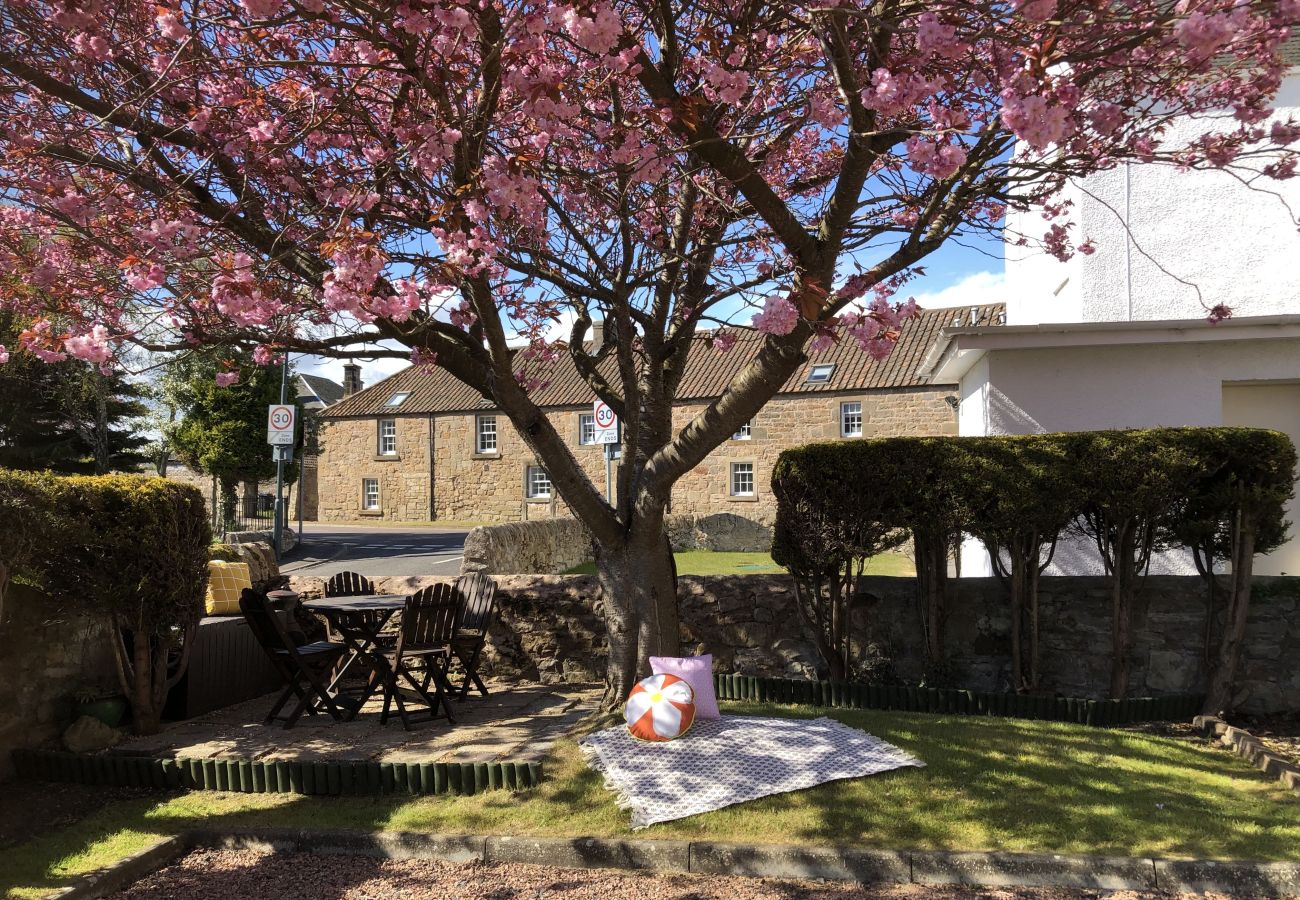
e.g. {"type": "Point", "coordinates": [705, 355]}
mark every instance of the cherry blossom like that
{"type": "Point", "coordinates": [226, 379]}
{"type": "Point", "coordinates": [779, 316]}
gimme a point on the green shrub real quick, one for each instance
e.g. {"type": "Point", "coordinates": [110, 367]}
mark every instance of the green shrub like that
{"type": "Point", "coordinates": [25, 520]}
{"type": "Point", "coordinates": [135, 550]}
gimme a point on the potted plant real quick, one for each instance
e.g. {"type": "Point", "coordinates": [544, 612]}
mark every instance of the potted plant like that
{"type": "Point", "coordinates": [110, 707]}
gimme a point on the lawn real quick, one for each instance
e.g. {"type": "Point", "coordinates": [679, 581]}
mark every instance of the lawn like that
{"type": "Point", "coordinates": [709, 562]}
{"type": "Point", "coordinates": [989, 784]}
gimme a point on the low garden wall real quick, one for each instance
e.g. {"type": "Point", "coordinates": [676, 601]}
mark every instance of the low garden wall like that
{"type": "Point", "coordinates": [551, 630]}
{"type": "Point", "coordinates": [49, 655]}
{"type": "Point", "coordinates": [553, 546]}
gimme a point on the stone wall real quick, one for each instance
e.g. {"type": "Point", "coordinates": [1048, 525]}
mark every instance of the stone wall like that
{"type": "Point", "coordinates": [50, 654]}
{"type": "Point", "coordinates": [554, 546]}
{"type": "Point", "coordinates": [550, 628]}
{"type": "Point", "coordinates": [437, 474]}
{"type": "Point", "coordinates": [544, 547]}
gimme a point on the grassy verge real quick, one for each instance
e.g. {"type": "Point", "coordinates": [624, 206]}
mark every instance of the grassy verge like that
{"type": "Point", "coordinates": [989, 784]}
{"type": "Point", "coordinates": [708, 562]}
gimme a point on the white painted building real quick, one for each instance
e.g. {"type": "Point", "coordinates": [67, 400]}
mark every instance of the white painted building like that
{"type": "Point", "coordinates": [1120, 338]}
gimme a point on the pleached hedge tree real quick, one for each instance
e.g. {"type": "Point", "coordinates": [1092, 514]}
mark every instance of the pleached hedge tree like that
{"type": "Point", "coordinates": [1219, 491]}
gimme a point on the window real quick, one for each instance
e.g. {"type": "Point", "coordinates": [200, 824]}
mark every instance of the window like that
{"type": "Point", "coordinates": [537, 483]}
{"type": "Point", "coordinates": [586, 429]}
{"type": "Point", "coordinates": [742, 479]}
{"type": "Point", "coordinates": [851, 420]}
{"type": "Point", "coordinates": [485, 435]}
{"type": "Point", "coordinates": [821, 373]}
{"type": "Point", "coordinates": [387, 437]}
{"type": "Point", "coordinates": [370, 493]}
{"type": "Point", "coordinates": [745, 433]}
{"type": "Point", "coordinates": [398, 399]}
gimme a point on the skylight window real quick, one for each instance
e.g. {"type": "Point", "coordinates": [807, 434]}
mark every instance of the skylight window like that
{"type": "Point", "coordinates": [398, 399]}
{"type": "Point", "coordinates": [820, 374]}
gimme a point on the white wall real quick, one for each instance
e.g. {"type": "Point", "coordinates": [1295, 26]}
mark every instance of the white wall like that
{"type": "Point", "coordinates": [1238, 245]}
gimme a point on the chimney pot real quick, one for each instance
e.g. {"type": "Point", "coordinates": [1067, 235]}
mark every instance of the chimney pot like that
{"type": "Point", "coordinates": [351, 379]}
{"type": "Point", "coordinates": [597, 335]}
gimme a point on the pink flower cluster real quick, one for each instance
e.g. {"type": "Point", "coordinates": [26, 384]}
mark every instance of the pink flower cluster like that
{"type": "Point", "coordinates": [226, 379]}
{"type": "Point", "coordinates": [599, 34]}
{"type": "Point", "coordinates": [779, 316]}
{"type": "Point", "coordinates": [1203, 35]}
{"type": "Point", "coordinates": [892, 93]}
{"type": "Point", "coordinates": [349, 283]}
{"type": "Point", "coordinates": [92, 346]}
{"type": "Point", "coordinates": [1035, 120]}
{"type": "Point", "coordinates": [237, 293]}
{"type": "Point", "coordinates": [4, 354]}
{"type": "Point", "coordinates": [933, 35]}
{"type": "Point", "coordinates": [940, 157]}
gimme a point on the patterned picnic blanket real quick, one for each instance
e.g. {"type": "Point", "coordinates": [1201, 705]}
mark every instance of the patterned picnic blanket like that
{"type": "Point", "coordinates": [731, 760]}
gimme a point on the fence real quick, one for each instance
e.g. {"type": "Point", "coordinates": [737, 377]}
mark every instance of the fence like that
{"type": "Point", "coordinates": [250, 506]}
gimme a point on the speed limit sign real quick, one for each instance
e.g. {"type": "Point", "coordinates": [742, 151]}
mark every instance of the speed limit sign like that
{"type": "Point", "coordinates": [279, 425]}
{"type": "Point", "coordinates": [606, 424]}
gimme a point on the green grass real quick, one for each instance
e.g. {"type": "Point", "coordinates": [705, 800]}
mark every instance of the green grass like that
{"type": "Point", "coordinates": [989, 784]}
{"type": "Point", "coordinates": [709, 562]}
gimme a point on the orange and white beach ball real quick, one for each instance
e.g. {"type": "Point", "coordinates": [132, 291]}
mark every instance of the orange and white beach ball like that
{"type": "Point", "coordinates": [660, 708]}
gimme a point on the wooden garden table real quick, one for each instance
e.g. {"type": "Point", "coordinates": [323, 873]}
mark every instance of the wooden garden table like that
{"type": "Point", "coordinates": [358, 620]}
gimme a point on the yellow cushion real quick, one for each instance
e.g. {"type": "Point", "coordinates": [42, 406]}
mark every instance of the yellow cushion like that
{"type": "Point", "coordinates": [226, 581]}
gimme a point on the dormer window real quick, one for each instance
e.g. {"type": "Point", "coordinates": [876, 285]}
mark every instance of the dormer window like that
{"type": "Point", "coordinates": [398, 399]}
{"type": "Point", "coordinates": [820, 373]}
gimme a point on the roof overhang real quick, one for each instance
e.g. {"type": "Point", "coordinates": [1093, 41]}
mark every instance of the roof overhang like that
{"type": "Point", "coordinates": [958, 349]}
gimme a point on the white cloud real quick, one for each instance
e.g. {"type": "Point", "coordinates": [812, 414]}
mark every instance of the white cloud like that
{"type": "Point", "coordinates": [976, 289]}
{"type": "Point", "coordinates": [372, 370]}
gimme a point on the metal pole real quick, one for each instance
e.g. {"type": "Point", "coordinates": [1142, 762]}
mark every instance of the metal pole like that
{"type": "Point", "coordinates": [301, 489]}
{"type": "Point", "coordinates": [278, 533]}
{"type": "Point", "coordinates": [609, 474]}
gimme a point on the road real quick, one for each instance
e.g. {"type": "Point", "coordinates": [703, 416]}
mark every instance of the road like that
{"type": "Point", "coordinates": [376, 550]}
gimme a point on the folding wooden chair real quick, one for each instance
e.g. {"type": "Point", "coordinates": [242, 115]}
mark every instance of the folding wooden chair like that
{"type": "Point", "coordinates": [348, 584]}
{"type": "Point", "coordinates": [428, 620]}
{"type": "Point", "coordinates": [476, 599]}
{"type": "Point", "coordinates": [305, 668]}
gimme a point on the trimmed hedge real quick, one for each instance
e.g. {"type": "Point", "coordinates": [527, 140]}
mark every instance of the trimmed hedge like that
{"type": "Point", "coordinates": [948, 701]}
{"type": "Point", "coordinates": [126, 547]}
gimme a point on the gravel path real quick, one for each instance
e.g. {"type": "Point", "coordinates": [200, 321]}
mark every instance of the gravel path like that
{"type": "Point", "coordinates": [222, 875]}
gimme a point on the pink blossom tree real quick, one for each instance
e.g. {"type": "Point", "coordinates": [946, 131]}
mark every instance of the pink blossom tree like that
{"type": "Point", "coordinates": [456, 176]}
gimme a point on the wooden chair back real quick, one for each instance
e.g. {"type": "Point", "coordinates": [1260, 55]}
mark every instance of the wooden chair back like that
{"type": "Point", "coordinates": [428, 618]}
{"type": "Point", "coordinates": [476, 597]}
{"type": "Point", "coordinates": [348, 584]}
{"type": "Point", "coordinates": [265, 623]}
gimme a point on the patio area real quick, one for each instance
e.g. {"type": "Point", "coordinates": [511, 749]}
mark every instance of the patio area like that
{"type": "Point", "coordinates": [518, 721]}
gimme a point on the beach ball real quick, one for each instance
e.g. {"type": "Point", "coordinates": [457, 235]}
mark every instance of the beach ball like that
{"type": "Point", "coordinates": [660, 708]}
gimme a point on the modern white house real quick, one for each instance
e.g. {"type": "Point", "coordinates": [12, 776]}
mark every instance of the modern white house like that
{"type": "Point", "coordinates": [1121, 338]}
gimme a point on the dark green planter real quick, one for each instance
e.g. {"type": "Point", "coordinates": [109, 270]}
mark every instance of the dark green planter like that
{"type": "Point", "coordinates": [111, 710]}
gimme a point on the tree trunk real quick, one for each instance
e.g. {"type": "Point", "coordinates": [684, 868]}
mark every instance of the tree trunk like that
{"type": "Point", "coordinates": [1017, 591]}
{"type": "Point", "coordinates": [229, 502]}
{"type": "Point", "coordinates": [638, 586]}
{"type": "Point", "coordinates": [1031, 598]}
{"type": "Point", "coordinates": [146, 713]}
{"type": "Point", "coordinates": [1218, 694]}
{"type": "Point", "coordinates": [931, 550]}
{"type": "Point", "coordinates": [1123, 584]}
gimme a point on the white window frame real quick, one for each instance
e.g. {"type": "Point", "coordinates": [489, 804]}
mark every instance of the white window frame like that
{"type": "Point", "coordinates": [736, 470]}
{"type": "Point", "coordinates": [397, 399]}
{"type": "Point", "coordinates": [813, 373]}
{"type": "Point", "coordinates": [745, 433]}
{"type": "Point", "coordinates": [366, 485]}
{"type": "Point", "coordinates": [480, 445]}
{"type": "Point", "coordinates": [586, 429]}
{"type": "Point", "coordinates": [387, 437]}
{"type": "Point", "coordinates": [846, 412]}
{"type": "Point", "coordinates": [534, 476]}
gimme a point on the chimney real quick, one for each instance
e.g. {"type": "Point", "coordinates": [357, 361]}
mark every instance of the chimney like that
{"type": "Point", "coordinates": [597, 335]}
{"type": "Point", "coordinates": [351, 379]}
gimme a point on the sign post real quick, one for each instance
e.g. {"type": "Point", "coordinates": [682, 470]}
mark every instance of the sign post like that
{"type": "Point", "coordinates": [280, 421]}
{"type": "Point", "coordinates": [606, 433]}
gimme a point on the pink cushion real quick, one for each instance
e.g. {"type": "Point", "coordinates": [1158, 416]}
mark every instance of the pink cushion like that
{"type": "Point", "coordinates": [697, 671]}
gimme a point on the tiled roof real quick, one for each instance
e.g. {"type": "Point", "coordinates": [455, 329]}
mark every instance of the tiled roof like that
{"type": "Point", "coordinates": [707, 372]}
{"type": "Point", "coordinates": [328, 392]}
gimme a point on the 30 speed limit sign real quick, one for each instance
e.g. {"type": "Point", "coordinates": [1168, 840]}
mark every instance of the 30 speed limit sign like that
{"type": "Point", "coordinates": [279, 425]}
{"type": "Point", "coordinates": [606, 423]}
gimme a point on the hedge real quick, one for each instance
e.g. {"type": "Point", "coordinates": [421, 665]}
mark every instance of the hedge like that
{"type": "Point", "coordinates": [131, 549]}
{"type": "Point", "coordinates": [1218, 490]}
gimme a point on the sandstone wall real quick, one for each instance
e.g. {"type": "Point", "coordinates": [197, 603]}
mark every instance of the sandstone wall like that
{"type": "Point", "coordinates": [550, 628]}
{"type": "Point", "coordinates": [50, 653]}
{"type": "Point", "coordinates": [437, 474]}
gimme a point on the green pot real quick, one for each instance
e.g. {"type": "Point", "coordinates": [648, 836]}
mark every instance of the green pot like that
{"type": "Point", "coordinates": [111, 710]}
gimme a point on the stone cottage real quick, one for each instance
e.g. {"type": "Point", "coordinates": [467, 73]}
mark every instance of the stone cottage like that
{"type": "Point", "coordinates": [421, 446]}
